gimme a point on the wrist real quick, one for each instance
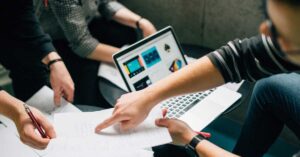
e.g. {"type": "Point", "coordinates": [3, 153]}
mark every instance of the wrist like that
{"type": "Point", "coordinates": [51, 56]}
{"type": "Point", "coordinates": [153, 95]}
{"type": "Point", "coordinates": [138, 23]}
{"type": "Point", "coordinates": [188, 137]}
{"type": "Point", "coordinates": [12, 107]}
{"type": "Point", "coordinates": [142, 23]}
{"type": "Point", "coordinates": [194, 143]}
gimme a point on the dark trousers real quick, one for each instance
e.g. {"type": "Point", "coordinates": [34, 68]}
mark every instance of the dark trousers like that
{"type": "Point", "coordinates": [275, 102]}
{"type": "Point", "coordinates": [84, 71]}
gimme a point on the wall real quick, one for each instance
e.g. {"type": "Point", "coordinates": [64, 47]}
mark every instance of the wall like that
{"type": "Point", "coordinates": [203, 22]}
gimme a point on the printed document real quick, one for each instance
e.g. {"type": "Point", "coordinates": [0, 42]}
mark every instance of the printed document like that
{"type": "Point", "coordinates": [82, 125]}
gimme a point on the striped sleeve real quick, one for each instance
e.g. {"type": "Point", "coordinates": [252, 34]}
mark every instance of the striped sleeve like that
{"type": "Point", "coordinates": [249, 59]}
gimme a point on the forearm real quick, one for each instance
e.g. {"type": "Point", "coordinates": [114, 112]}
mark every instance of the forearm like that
{"type": "Point", "coordinates": [199, 76]}
{"type": "Point", "coordinates": [103, 52]}
{"type": "Point", "coordinates": [10, 106]}
{"type": "Point", "coordinates": [126, 17]}
{"type": "Point", "coordinates": [208, 149]}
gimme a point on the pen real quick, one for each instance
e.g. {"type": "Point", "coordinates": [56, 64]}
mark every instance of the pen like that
{"type": "Point", "coordinates": [46, 3]}
{"type": "Point", "coordinates": [34, 121]}
{"type": "Point", "coordinates": [3, 124]}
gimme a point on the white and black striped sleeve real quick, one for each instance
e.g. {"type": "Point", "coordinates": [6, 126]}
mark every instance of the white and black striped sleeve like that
{"type": "Point", "coordinates": [249, 59]}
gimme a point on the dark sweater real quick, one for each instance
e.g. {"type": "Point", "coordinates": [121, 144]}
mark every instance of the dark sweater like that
{"type": "Point", "coordinates": [22, 41]}
{"type": "Point", "coordinates": [20, 31]}
{"type": "Point", "coordinates": [250, 59]}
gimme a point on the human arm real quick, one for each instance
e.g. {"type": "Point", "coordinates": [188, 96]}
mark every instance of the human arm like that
{"type": "Point", "coordinates": [14, 109]}
{"type": "Point", "coordinates": [60, 79]}
{"type": "Point", "coordinates": [129, 18]}
{"type": "Point", "coordinates": [23, 30]}
{"type": "Point", "coordinates": [133, 108]}
{"type": "Point", "coordinates": [113, 10]}
{"type": "Point", "coordinates": [182, 134]}
{"type": "Point", "coordinates": [72, 20]}
{"type": "Point", "coordinates": [241, 59]}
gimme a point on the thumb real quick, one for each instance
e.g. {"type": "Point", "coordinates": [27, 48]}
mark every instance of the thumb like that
{"type": "Point", "coordinates": [162, 122]}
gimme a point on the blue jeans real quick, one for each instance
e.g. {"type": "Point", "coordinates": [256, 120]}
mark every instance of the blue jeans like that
{"type": "Point", "coordinates": [275, 102]}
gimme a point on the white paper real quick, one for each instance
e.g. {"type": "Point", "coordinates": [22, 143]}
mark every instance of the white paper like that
{"type": "Point", "coordinates": [43, 101]}
{"type": "Point", "coordinates": [234, 86]}
{"type": "Point", "coordinates": [11, 146]}
{"type": "Point", "coordinates": [82, 125]}
{"type": "Point", "coordinates": [133, 153]}
{"type": "Point", "coordinates": [111, 73]}
{"type": "Point", "coordinates": [78, 147]}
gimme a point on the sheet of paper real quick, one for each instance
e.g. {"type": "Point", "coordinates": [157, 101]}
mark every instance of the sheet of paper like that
{"type": "Point", "coordinates": [234, 86]}
{"type": "Point", "coordinates": [82, 125]}
{"type": "Point", "coordinates": [111, 73]}
{"type": "Point", "coordinates": [78, 147]}
{"type": "Point", "coordinates": [11, 146]}
{"type": "Point", "coordinates": [134, 153]}
{"type": "Point", "coordinates": [43, 101]}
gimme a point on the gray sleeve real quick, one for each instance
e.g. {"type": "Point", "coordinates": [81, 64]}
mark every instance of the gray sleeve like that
{"type": "Point", "coordinates": [108, 8]}
{"type": "Point", "coordinates": [72, 21]}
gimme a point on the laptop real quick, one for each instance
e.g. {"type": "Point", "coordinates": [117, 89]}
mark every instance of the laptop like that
{"type": "Point", "coordinates": [157, 56]}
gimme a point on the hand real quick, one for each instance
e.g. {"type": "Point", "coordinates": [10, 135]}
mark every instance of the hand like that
{"type": "Point", "coordinates": [131, 109]}
{"type": "Point", "coordinates": [181, 133]}
{"type": "Point", "coordinates": [27, 132]}
{"type": "Point", "coordinates": [147, 27]}
{"type": "Point", "coordinates": [61, 82]}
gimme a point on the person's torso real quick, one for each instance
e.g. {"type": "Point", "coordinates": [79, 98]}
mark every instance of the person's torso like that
{"type": "Point", "coordinates": [50, 23]}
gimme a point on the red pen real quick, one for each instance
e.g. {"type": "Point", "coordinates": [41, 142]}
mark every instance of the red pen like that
{"type": "Point", "coordinates": [46, 3]}
{"type": "Point", "coordinates": [34, 121]}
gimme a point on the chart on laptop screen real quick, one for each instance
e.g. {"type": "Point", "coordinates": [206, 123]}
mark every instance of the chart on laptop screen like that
{"type": "Point", "coordinates": [151, 61]}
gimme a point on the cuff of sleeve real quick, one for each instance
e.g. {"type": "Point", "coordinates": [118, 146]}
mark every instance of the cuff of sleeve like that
{"type": "Point", "coordinates": [110, 9]}
{"type": "Point", "coordinates": [44, 49]}
{"type": "Point", "coordinates": [86, 48]}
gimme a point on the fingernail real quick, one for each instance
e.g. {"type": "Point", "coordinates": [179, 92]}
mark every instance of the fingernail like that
{"type": "Point", "coordinates": [97, 130]}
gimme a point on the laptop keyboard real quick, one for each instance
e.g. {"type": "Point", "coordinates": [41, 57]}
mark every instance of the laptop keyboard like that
{"type": "Point", "coordinates": [177, 106]}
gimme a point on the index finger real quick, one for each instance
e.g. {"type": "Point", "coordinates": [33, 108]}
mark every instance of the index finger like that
{"type": "Point", "coordinates": [108, 122]}
{"type": "Point", "coordinates": [69, 93]}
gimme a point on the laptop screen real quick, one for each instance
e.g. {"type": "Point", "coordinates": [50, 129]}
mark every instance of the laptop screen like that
{"type": "Point", "coordinates": [150, 60]}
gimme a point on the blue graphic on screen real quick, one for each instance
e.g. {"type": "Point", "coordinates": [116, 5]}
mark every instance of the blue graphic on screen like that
{"type": "Point", "coordinates": [151, 57]}
{"type": "Point", "coordinates": [133, 65]}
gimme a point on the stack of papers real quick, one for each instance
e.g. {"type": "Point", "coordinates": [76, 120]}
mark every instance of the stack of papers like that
{"type": "Point", "coordinates": [75, 133]}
